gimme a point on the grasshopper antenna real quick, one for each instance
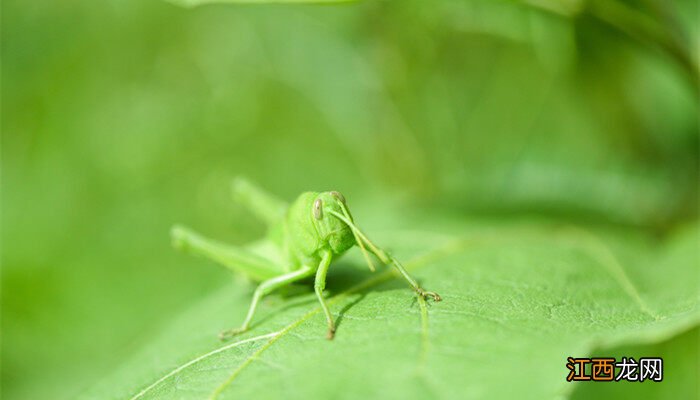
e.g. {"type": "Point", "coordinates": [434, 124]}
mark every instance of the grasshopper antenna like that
{"type": "Point", "coordinates": [384, 257]}
{"type": "Point", "coordinates": [355, 230]}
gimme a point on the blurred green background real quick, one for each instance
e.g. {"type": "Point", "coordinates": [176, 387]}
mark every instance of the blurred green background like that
{"type": "Point", "coordinates": [121, 118]}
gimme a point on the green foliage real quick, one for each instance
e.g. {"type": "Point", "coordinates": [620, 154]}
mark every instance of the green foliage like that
{"type": "Point", "coordinates": [192, 3]}
{"type": "Point", "coordinates": [516, 126]}
{"type": "Point", "coordinates": [517, 301]}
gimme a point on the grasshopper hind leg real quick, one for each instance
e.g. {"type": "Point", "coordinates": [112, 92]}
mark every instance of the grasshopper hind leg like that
{"type": "Point", "coordinates": [262, 204]}
{"type": "Point", "coordinates": [235, 258]}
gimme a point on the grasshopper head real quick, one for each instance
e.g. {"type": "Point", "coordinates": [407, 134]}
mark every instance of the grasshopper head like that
{"type": "Point", "coordinates": [332, 229]}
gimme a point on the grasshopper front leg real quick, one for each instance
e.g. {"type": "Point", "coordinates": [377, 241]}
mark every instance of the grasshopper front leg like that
{"type": "Point", "coordinates": [421, 292]}
{"type": "Point", "coordinates": [384, 257]}
{"type": "Point", "coordinates": [319, 286]}
{"type": "Point", "coordinates": [388, 259]}
{"type": "Point", "coordinates": [265, 288]}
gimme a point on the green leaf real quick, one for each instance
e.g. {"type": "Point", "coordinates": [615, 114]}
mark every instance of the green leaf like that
{"type": "Point", "coordinates": [193, 3]}
{"type": "Point", "coordinates": [518, 299]}
{"type": "Point", "coordinates": [680, 368]}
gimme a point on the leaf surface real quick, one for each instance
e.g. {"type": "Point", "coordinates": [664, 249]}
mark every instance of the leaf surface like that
{"type": "Point", "coordinates": [193, 3]}
{"type": "Point", "coordinates": [518, 299]}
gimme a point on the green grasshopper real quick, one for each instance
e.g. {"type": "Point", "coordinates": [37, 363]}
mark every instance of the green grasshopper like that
{"type": "Point", "coordinates": [303, 238]}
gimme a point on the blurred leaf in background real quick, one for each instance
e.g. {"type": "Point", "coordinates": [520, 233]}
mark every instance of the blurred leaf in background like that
{"type": "Point", "coordinates": [121, 118]}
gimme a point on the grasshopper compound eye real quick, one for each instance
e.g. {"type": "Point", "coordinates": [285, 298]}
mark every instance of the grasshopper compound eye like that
{"type": "Point", "coordinates": [338, 196]}
{"type": "Point", "coordinates": [318, 209]}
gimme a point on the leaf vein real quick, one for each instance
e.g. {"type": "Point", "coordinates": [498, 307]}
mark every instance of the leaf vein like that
{"type": "Point", "coordinates": [198, 359]}
{"type": "Point", "coordinates": [421, 260]}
